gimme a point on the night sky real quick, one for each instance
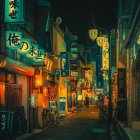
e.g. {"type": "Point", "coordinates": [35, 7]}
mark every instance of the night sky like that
{"type": "Point", "coordinates": [82, 15]}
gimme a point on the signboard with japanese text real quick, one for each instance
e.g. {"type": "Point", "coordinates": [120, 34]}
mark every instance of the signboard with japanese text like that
{"type": "Point", "coordinates": [40, 56]}
{"type": "Point", "coordinates": [34, 100]}
{"type": "Point", "coordinates": [74, 73]}
{"type": "Point", "coordinates": [13, 39]}
{"type": "Point", "coordinates": [105, 56]}
{"type": "Point", "coordinates": [74, 49]}
{"type": "Point", "coordinates": [14, 11]}
{"type": "Point", "coordinates": [62, 104]}
{"type": "Point", "coordinates": [64, 62]}
{"type": "Point", "coordinates": [25, 46]}
{"type": "Point", "coordinates": [74, 55]}
{"type": "Point", "coordinates": [33, 51]}
{"type": "Point", "coordinates": [6, 121]}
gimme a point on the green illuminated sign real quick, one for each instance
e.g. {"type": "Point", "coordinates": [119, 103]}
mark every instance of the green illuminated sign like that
{"type": "Point", "coordinates": [40, 56]}
{"type": "Point", "coordinates": [14, 11]}
{"type": "Point", "coordinates": [33, 51]}
{"type": "Point", "coordinates": [25, 46]}
{"type": "Point", "coordinates": [13, 39]}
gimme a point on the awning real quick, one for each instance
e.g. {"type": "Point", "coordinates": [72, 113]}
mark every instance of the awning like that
{"type": "Point", "coordinates": [16, 66]}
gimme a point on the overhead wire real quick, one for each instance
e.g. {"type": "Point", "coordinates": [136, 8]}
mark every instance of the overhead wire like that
{"type": "Point", "coordinates": [91, 11]}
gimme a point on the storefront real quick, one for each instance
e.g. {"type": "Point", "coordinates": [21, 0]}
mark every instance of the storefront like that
{"type": "Point", "coordinates": [14, 93]}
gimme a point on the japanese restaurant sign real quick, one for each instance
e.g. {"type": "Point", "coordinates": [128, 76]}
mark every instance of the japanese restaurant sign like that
{"type": "Point", "coordinates": [6, 121]}
{"type": "Point", "coordinates": [14, 11]}
{"type": "Point", "coordinates": [64, 62]}
{"type": "Point", "coordinates": [13, 39]}
{"type": "Point", "coordinates": [105, 56]}
{"type": "Point", "coordinates": [24, 46]}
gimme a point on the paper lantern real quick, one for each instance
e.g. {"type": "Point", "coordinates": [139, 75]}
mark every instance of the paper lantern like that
{"type": "Point", "coordinates": [93, 33]}
{"type": "Point", "coordinates": [100, 41]}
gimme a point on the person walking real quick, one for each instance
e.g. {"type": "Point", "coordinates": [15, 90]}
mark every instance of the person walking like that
{"type": "Point", "coordinates": [87, 101]}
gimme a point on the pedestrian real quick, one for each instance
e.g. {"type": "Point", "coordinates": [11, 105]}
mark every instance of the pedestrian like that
{"type": "Point", "coordinates": [87, 101]}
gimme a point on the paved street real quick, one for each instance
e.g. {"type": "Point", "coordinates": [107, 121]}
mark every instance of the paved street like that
{"type": "Point", "coordinates": [81, 125]}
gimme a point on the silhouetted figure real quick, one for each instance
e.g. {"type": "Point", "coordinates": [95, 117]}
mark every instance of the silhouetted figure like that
{"type": "Point", "coordinates": [87, 101]}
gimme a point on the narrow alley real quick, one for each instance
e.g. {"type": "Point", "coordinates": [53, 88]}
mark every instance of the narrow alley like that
{"type": "Point", "coordinates": [82, 125]}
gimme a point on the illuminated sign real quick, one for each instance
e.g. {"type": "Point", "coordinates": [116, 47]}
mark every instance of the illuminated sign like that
{"type": "Point", "coordinates": [25, 46]}
{"type": "Point", "coordinates": [105, 56]}
{"type": "Point", "coordinates": [13, 39]}
{"type": "Point", "coordinates": [74, 55]}
{"type": "Point", "coordinates": [40, 56]}
{"type": "Point", "coordinates": [74, 49]}
{"type": "Point", "coordinates": [74, 73]}
{"type": "Point", "coordinates": [64, 62]}
{"type": "Point", "coordinates": [33, 51]}
{"type": "Point", "coordinates": [13, 11]}
{"type": "Point", "coordinates": [34, 100]}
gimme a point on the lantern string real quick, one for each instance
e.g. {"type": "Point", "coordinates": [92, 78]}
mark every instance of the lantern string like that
{"type": "Point", "coordinates": [91, 11]}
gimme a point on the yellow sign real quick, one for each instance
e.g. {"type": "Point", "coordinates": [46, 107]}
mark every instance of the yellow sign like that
{"type": "Point", "coordinates": [105, 56]}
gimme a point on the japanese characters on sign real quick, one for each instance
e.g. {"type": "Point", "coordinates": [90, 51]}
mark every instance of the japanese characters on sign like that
{"type": "Point", "coordinates": [14, 11]}
{"type": "Point", "coordinates": [33, 51]}
{"type": "Point", "coordinates": [13, 39]}
{"type": "Point", "coordinates": [40, 56]}
{"type": "Point", "coordinates": [64, 62]}
{"type": "Point", "coordinates": [24, 46]}
{"type": "Point", "coordinates": [6, 121]}
{"type": "Point", "coordinates": [105, 56]}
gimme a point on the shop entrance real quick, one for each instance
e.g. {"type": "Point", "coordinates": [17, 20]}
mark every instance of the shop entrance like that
{"type": "Point", "coordinates": [13, 96]}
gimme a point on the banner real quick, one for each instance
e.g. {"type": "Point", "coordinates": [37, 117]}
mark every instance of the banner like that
{"type": "Point", "coordinates": [14, 11]}
{"type": "Point", "coordinates": [64, 63]}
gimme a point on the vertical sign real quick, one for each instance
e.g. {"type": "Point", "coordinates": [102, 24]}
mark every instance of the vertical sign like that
{"type": "Point", "coordinates": [64, 62]}
{"type": "Point", "coordinates": [62, 104]}
{"type": "Point", "coordinates": [14, 11]}
{"type": "Point", "coordinates": [6, 121]}
{"type": "Point", "coordinates": [105, 56]}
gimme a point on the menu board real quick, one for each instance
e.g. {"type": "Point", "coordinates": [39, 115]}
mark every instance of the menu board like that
{"type": "Point", "coordinates": [6, 121]}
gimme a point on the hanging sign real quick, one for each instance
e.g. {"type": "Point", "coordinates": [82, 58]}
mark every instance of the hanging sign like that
{"type": "Point", "coordinates": [64, 62]}
{"type": "Point", "coordinates": [105, 56]}
{"type": "Point", "coordinates": [13, 39]}
{"type": "Point", "coordinates": [40, 56]}
{"type": "Point", "coordinates": [14, 11]}
{"type": "Point", "coordinates": [25, 46]}
{"type": "Point", "coordinates": [33, 51]}
{"type": "Point", "coordinates": [34, 100]}
{"type": "Point", "coordinates": [93, 33]}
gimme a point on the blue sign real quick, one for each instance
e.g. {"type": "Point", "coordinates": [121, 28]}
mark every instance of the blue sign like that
{"type": "Point", "coordinates": [62, 104]}
{"type": "Point", "coordinates": [64, 62]}
{"type": "Point", "coordinates": [13, 39]}
{"type": "Point", "coordinates": [14, 11]}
